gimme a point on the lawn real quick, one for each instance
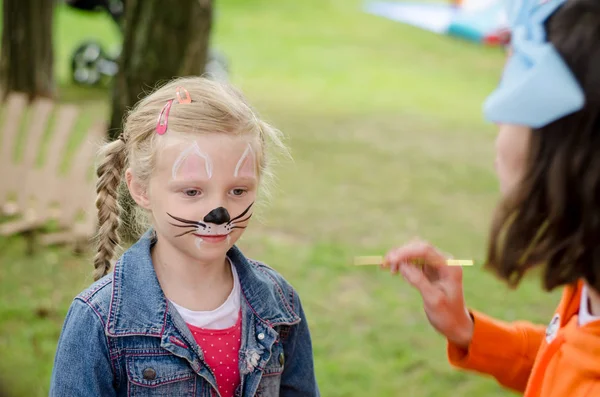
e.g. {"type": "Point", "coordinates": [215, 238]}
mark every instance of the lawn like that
{"type": "Point", "coordinates": [384, 123]}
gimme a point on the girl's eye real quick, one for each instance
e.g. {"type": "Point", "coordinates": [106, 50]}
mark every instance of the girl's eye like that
{"type": "Point", "coordinates": [238, 192]}
{"type": "Point", "coordinates": [192, 192]}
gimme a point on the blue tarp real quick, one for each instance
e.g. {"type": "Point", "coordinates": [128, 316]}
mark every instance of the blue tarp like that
{"type": "Point", "coordinates": [480, 23]}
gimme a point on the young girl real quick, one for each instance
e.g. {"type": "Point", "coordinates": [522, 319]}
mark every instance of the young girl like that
{"type": "Point", "coordinates": [184, 312]}
{"type": "Point", "coordinates": [548, 161]}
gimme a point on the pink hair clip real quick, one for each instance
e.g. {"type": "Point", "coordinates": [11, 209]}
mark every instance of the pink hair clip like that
{"type": "Point", "coordinates": [183, 97]}
{"type": "Point", "coordinates": [163, 118]}
{"type": "Point", "coordinates": [186, 99]}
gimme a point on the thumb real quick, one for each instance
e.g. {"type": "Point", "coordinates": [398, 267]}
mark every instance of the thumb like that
{"type": "Point", "coordinates": [415, 277]}
{"type": "Point", "coordinates": [451, 279]}
{"type": "Point", "coordinates": [453, 274]}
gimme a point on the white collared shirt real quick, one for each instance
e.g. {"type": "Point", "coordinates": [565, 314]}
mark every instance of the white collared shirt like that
{"type": "Point", "coordinates": [585, 316]}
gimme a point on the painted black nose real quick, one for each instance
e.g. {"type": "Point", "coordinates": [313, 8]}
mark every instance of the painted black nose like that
{"type": "Point", "coordinates": [218, 216]}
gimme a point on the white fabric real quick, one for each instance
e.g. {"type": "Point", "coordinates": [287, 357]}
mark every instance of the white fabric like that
{"type": "Point", "coordinates": [478, 5]}
{"type": "Point", "coordinates": [585, 316]}
{"type": "Point", "coordinates": [225, 316]}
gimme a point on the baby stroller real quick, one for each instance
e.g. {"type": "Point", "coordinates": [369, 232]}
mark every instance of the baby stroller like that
{"type": "Point", "coordinates": [90, 64]}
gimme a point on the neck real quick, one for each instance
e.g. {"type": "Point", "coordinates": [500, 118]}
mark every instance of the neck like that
{"type": "Point", "coordinates": [191, 283]}
{"type": "Point", "coordinates": [594, 300]}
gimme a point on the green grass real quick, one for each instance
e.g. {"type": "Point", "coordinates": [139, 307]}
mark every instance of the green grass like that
{"type": "Point", "coordinates": [385, 126]}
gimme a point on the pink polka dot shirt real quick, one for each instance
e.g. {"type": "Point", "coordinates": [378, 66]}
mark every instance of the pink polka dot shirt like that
{"type": "Point", "coordinates": [221, 347]}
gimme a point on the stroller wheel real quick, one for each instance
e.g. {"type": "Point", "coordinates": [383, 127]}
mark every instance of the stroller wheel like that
{"type": "Point", "coordinates": [86, 62]}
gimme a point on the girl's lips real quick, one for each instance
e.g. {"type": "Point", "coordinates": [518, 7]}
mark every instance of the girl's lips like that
{"type": "Point", "coordinates": [212, 238]}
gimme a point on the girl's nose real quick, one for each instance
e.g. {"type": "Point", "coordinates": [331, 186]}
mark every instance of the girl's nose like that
{"type": "Point", "coordinates": [218, 216]}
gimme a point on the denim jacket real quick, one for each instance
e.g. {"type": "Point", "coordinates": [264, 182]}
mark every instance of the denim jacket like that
{"type": "Point", "coordinates": [122, 338]}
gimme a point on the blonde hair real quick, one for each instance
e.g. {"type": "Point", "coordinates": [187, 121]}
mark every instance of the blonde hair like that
{"type": "Point", "coordinates": [216, 108]}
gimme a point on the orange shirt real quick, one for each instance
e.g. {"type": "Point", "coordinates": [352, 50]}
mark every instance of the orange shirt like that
{"type": "Point", "coordinates": [562, 360]}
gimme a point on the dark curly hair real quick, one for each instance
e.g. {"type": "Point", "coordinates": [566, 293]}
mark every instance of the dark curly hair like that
{"type": "Point", "coordinates": [551, 220]}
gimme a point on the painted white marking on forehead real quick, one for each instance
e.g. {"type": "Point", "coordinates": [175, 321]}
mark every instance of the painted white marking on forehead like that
{"type": "Point", "coordinates": [246, 165]}
{"type": "Point", "coordinates": [193, 150]}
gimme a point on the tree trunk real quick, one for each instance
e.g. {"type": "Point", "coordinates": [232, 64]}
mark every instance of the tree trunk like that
{"type": "Point", "coordinates": [163, 39]}
{"type": "Point", "coordinates": [26, 57]}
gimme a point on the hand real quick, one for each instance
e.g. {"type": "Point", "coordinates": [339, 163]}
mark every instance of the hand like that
{"type": "Point", "coordinates": [440, 286]}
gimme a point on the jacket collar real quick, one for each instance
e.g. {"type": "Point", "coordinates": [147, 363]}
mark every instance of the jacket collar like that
{"type": "Point", "coordinates": [138, 305]}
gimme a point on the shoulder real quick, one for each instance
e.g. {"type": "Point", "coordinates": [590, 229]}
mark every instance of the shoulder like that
{"type": "Point", "coordinates": [278, 281]}
{"type": "Point", "coordinates": [97, 297]}
{"type": "Point", "coordinates": [272, 274]}
{"type": "Point", "coordinates": [271, 297]}
{"type": "Point", "coordinates": [85, 321]}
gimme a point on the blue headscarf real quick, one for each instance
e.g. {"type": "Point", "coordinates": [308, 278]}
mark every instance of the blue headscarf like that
{"type": "Point", "coordinates": [537, 86]}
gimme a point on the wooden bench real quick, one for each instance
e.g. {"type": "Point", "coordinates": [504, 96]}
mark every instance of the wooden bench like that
{"type": "Point", "coordinates": [33, 195]}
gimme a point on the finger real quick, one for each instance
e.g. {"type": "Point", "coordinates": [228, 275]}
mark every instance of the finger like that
{"type": "Point", "coordinates": [454, 273]}
{"type": "Point", "coordinates": [448, 277]}
{"type": "Point", "coordinates": [395, 256]}
{"type": "Point", "coordinates": [450, 273]}
{"type": "Point", "coordinates": [389, 257]}
{"type": "Point", "coordinates": [428, 254]}
{"type": "Point", "coordinates": [414, 276]}
{"type": "Point", "coordinates": [392, 255]}
{"type": "Point", "coordinates": [433, 273]}
{"type": "Point", "coordinates": [452, 281]}
{"type": "Point", "coordinates": [393, 260]}
{"type": "Point", "coordinates": [394, 267]}
{"type": "Point", "coordinates": [418, 251]}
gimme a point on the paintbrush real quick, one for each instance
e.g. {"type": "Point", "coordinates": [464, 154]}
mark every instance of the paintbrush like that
{"type": "Point", "coordinates": [378, 260]}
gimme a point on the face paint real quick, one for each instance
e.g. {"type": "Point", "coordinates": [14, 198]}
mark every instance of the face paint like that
{"type": "Point", "coordinates": [191, 162]}
{"type": "Point", "coordinates": [216, 223]}
{"type": "Point", "coordinates": [217, 216]}
{"type": "Point", "coordinates": [246, 165]}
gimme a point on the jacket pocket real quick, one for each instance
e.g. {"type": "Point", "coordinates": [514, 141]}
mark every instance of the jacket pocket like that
{"type": "Point", "coordinates": [159, 374]}
{"type": "Point", "coordinates": [271, 377]}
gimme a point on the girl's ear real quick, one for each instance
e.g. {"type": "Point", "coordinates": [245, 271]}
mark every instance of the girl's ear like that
{"type": "Point", "coordinates": [138, 192]}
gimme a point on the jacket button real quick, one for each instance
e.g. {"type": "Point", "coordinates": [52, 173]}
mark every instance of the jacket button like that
{"type": "Point", "coordinates": [281, 358]}
{"type": "Point", "coordinates": [261, 336]}
{"type": "Point", "coordinates": [149, 374]}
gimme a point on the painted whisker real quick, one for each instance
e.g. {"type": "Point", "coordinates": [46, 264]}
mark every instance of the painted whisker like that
{"type": "Point", "coordinates": [241, 220]}
{"type": "Point", "coordinates": [238, 227]}
{"type": "Point", "coordinates": [187, 221]}
{"type": "Point", "coordinates": [184, 233]}
{"type": "Point", "coordinates": [241, 215]}
{"type": "Point", "coordinates": [173, 224]}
